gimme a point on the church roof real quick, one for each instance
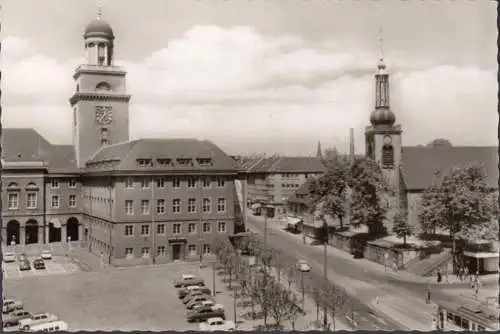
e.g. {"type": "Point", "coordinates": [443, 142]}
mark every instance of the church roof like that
{"type": "Point", "coordinates": [277, 164]}
{"type": "Point", "coordinates": [421, 163]}
{"type": "Point", "coordinates": [27, 145]}
{"type": "Point", "coordinates": [177, 155]}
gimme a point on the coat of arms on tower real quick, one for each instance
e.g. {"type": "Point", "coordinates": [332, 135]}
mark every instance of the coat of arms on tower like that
{"type": "Point", "coordinates": [103, 114]}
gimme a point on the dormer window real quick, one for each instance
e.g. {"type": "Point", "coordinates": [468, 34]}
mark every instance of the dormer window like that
{"type": "Point", "coordinates": [144, 163]}
{"type": "Point", "coordinates": [163, 162]}
{"type": "Point", "coordinates": [185, 162]}
{"type": "Point", "coordinates": [204, 162]}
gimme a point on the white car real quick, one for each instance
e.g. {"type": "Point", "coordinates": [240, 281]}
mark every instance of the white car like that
{"type": "Point", "coordinates": [9, 257]}
{"type": "Point", "coordinates": [46, 255]}
{"type": "Point", "coordinates": [217, 324]}
{"type": "Point", "coordinates": [36, 319]}
{"type": "Point", "coordinates": [303, 266]}
{"type": "Point", "coordinates": [53, 326]}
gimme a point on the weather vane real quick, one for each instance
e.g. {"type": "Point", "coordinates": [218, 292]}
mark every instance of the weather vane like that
{"type": "Point", "coordinates": [381, 41]}
{"type": "Point", "coordinates": [99, 12]}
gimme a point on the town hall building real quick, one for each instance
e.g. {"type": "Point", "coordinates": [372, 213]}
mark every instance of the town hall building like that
{"type": "Point", "coordinates": [129, 201]}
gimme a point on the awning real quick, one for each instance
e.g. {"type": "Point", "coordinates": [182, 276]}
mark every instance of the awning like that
{"type": "Point", "coordinates": [293, 221]}
{"type": "Point", "coordinates": [482, 255]}
{"type": "Point", "coordinates": [56, 222]}
{"type": "Point", "coordinates": [255, 206]}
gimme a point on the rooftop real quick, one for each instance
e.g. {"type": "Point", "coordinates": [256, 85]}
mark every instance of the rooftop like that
{"type": "Point", "coordinates": [279, 164]}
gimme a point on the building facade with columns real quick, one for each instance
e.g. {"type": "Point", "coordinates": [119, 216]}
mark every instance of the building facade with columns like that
{"type": "Point", "coordinates": [129, 201]}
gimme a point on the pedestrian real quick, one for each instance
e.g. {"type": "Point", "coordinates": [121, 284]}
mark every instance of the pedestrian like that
{"type": "Point", "coordinates": [439, 278]}
{"type": "Point", "coordinates": [467, 273]}
{"type": "Point", "coordinates": [446, 275]}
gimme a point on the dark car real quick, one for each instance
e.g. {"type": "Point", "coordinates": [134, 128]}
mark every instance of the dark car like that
{"type": "Point", "coordinates": [25, 265]}
{"type": "Point", "coordinates": [204, 313]}
{"type": "Point", "coordinates": [193, 289]}
{"type": "Point", "coordinates": [38, 264]}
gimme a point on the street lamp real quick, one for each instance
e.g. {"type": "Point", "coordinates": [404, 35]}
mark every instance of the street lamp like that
{"type": "Point", "coordinates": [69, 247]}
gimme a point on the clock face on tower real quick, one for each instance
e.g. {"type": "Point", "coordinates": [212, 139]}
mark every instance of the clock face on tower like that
{"type": "Point", "coordinates": [103, 114]}
{"type": "Point", "coordinates": [387, 140]}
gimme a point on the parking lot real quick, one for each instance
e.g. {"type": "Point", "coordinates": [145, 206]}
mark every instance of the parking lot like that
{"type": "Point", "coordinates": [57, 266]}
{"type": "Point", "coordinates": [120, 299]}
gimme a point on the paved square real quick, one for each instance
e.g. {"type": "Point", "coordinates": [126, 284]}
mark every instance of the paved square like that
{"type": "Point", "coordinates": [57, 266]}
{"type": "Point", "coordinates": [121, 299]}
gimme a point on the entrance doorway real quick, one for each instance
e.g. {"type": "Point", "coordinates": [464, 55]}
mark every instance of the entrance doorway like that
{"type": "Point", "coordinates": [31, 232]}
{"type": "Point", "coordinates": [54, 233]}
{"type": "Point", "coordinates": [13, 229]}
{"type": "Point", "coordinates": [72, 229]}
{"type": "Point", "coordinates": [176, 252]}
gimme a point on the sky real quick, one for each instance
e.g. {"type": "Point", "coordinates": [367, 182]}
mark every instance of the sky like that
{"type": "Point", "coordinates": [267, 76]}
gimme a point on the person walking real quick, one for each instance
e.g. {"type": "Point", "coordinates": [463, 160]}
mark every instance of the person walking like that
{"type": "Point", "coordinates": [439, 277]}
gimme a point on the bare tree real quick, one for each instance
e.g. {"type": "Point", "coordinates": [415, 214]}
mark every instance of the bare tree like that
{"type": "Point", "coordinates": [317, 300]}
{"type": "Point", "coordinates": [293, 309]}
{"type": "Point", "coordinates": [278, 302]}
{"type": "Point", "coordinates": [337, 299]}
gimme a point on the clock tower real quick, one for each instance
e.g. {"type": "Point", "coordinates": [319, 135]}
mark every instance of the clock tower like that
{"type": "Point", "coordinates": [100, 102]}
{"type": "Point", "coordinates": [383, 138]}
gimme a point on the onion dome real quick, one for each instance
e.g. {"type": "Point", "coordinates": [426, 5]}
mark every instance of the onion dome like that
{"type": "Point", "coordinates": [99, 28]}
{"type": "Point", "coordinates": [382, 116]}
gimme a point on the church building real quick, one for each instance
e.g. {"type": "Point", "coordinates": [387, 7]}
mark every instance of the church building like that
{"type": "Point", "coordinates": [129, 201]}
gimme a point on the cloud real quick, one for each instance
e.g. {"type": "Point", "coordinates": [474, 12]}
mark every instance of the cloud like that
{"type": "Point", "coordinates": [251, 92]}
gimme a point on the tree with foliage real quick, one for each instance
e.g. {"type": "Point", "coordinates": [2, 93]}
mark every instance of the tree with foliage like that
{"type": "Point", "coordinates": [330, 154]}
{"type": "Point", "coordinates": [368, 186]}
{"type": "Point", "coordinates": [460, 199]}
{"type": "Point", "coordinates": [484, 231]}
{"type": "Point", "coordinates": [401, 226]}
{"type": "Point", "coordinates": [440, 142]}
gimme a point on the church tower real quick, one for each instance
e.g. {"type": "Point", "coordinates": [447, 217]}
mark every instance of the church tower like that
{"type": "Point", "coordinates": [383, 138]}
{"type": "Point", "coordinates": [100, 102]}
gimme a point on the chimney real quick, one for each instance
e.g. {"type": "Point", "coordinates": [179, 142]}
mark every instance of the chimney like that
{"type": "Point", "coordinates": [351, 144]}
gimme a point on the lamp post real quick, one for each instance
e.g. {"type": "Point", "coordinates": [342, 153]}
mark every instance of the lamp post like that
{"type": "Point", "coordinates": [68, 249]}
{"type": "Point", "coordinates": [325, 265]}
{"type": "Point", "coordinates": [213, 279]}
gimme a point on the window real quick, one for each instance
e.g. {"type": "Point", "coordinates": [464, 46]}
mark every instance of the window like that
{"type": "Point", "coordinates": [129, 252]}
{"type": "Point", "coordinates": [206, 205]}
{"type": "Point", "coordinates": [164, 162]}
{"type": "Point", "coordinates": [176, 228]}
{"type": "Point", "coordinates": [104, 141]}
{"type": "Point", "coordinates": [160, 206]}
{"type": "Point", "coordinates": [145, 207]}
{"type": "Point", "coordinates": [192, 250]}
{"type": "Point", "coordinates": [191, 182]}
{"type": "Point", "coordinates": [192, 205]}
{"type": "Point", "coordinates": [160, 229]}
{"type": "Point", "coordinates": [192, 228]}
{"type": "Point", "coordinates": [72, 201]}
{"type": "Point", "coordinates": [207, 227]}
{"type": "Point", "coordinates": [72, 183]}
{"type": "Point", "coordinates": [204, 162]}
{"type": "Point", "coordinates": [145, 251]}
{"type": "Point", "coordinates": [143, 163]}
{"type": "Point", "coordinates": [129, 207]}
{"type": "Point", "coordinates": [129, 183]}
{"type": "Point", "coordinates": [206, 182]}
{"type": "Point", "coordinates": [185, 162]}
{"type": "Point", "coordinates": [176, 205]}
{"type": "Point", "coordinates": [206, 249]}
{"type": "Point", "coordinates": [145, 183]}
{"type": "Point", "coordinates": [54, 184]}
{"type": "Point", "coordinates": [221, 182]}
{"type": "Point", "coordinates": [160, 251]}
{"type": "Point", "coordinates": [13, 201]}
{"type": "Point", "coordinates": [221, 205]}
{"type": "Point", "coordinates": [55, 201]}
{"type": "Point", "coordinates": [129, 230]}
{"type": "Point", "coordinates": [144, 229]}
{"type": "Point", "coordinates": [176, 183]}
{"type": "Point", "coordinates": [387, 156]}
{"type": "Point", "coordinates": [31, 201]}
{"type": "Point", "coordinates": [221, 227]}
{"type": "Point", "coordinates": [160, 183]}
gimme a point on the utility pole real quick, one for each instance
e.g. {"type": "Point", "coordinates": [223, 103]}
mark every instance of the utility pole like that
{"type": "Point", "coordinates": [325, 265]}
{"type": "Point", "coordinates": [213, 279]}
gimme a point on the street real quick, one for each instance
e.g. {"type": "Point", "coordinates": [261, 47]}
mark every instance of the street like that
{"type": "Point", "coordinates": [365, 286]}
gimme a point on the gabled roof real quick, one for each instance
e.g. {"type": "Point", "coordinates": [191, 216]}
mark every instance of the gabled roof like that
{"type": "Point", "coordinates": [421, 163]}
{"type": "Point", "coordinates": [277, 164]}
{"type": "Point", "coordinates": [126, 155]}
{"type": "Point", "coordinates": [27, 145]}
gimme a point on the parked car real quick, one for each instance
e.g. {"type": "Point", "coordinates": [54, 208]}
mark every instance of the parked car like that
{"type": "Point", "coordinates": [21, 257]}
{"type": "Point", "coordinates": [53, 326]}
{"type": "Point", "coordinates": [191, 289]}
{"type": "Point", "coordinates": [13, 318]}
{"type": "Point", "coordinates": [192, 295]}
{"type": "Point", "coordinates": [205, 313]}
{"type": "Point", "coordinates": [9, 257]}
{"type": "Point", "coordinates": [36, 319]}
{"type": "Point", "coordinates": [205, 303]}
{"type": "Point", "coordinates": [303, 266]}
{"type": "Point", "coordinates": [38, 264]}
{"type": "Point", "coordinates": [46, 255]}
{"type": "Point", "coordinates": [197, 300]}
{"type": "Point", "coordinates": [24, 265]}
{"type": "Point", "coordinates": [10, 305]}
{"type": "Point", "coordinates": [187, 280]}
{"type": "Point", "coordinates": [217, 324]}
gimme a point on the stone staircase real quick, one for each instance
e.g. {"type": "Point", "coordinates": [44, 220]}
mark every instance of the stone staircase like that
{"type": "Point", "coordinates": [428, 265]}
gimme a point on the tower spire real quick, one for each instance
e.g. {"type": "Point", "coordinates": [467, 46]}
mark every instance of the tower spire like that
{"type": "Point", "coordinates": [99, 12]}
{"type": "Point", "coordinates": [381, 42]}
{"type": "Point", "coordinates": [319, 154]}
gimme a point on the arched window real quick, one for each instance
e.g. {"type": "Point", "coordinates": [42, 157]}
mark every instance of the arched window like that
{"type": "Point", "coordinates": [13, 186]}
{"type": "Point", "coordinates": [32, 185]}
{"type": "Point", "coordinates": [387, 156]}
{"type": "Point", "coordinates": [103, 85]}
